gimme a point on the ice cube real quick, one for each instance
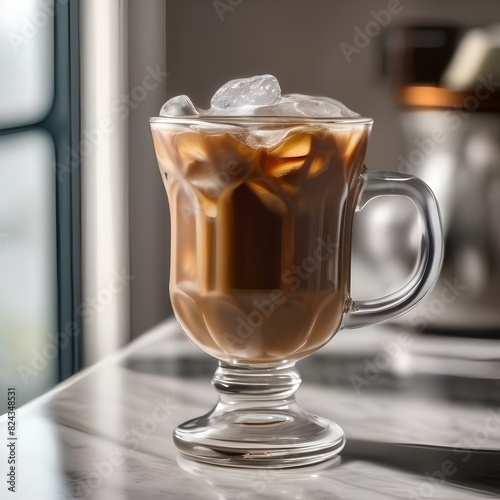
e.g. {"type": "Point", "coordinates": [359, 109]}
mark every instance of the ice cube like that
{"type": "Point", "coordinates": [258, 96]}
{"type": "Point", "coordinates": [295, 145]}
{"type": "Point", "coordinates": [321, 106]}
{"type": "Point", "coordinates": [264, 138]}
{"type": "Point", "coordinates": [263, 90]}
{"type": "Point", "coordinates": [283, 166]}
{"type": "Point", "coordinates": [294, 105]}
{"type": "Point", "coordinates": [180, 105]}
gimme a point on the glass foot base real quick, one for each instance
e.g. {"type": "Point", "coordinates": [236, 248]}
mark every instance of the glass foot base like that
{"type": "Point", "coordinates": [257, 423]}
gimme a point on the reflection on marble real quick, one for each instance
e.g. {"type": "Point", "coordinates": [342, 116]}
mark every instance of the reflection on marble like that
{"type": "Point", "coordinates": [335, 479]}
{"type": "Point", "coordinates": [106, 433]}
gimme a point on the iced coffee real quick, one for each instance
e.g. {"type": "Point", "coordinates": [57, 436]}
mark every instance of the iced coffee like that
{"type": "Point", "coordinates": [262, 218]}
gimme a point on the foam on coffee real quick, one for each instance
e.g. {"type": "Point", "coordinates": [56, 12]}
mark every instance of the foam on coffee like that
{"type": "Point", "coordinates": [260, 220]}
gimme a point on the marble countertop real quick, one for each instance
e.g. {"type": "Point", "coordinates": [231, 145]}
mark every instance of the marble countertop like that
{"type": "Point", "coordinates": [421, 416]}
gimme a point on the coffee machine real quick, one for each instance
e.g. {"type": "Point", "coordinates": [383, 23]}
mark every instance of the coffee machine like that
{"type": "Point", "coordinates": [446, 81]}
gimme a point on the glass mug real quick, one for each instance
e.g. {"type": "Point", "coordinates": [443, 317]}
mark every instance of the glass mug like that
{"type": "Point", "coordinates": [261, 217]}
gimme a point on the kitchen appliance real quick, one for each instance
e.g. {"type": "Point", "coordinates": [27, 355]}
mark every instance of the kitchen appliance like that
{"type": "Point", "coordinates": [447, 85]}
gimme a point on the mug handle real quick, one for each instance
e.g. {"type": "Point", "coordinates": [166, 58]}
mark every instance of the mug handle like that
{"type": "Point", "coordinates": [379, 183]}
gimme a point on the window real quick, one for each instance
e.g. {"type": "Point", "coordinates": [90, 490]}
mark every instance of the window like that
{"type": "Point", "coordinates": [39, 195]}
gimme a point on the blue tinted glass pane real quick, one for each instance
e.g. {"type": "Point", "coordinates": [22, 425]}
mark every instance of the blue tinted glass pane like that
{"type": "Point", "coordinates": [26, 61]}
{"type": "Point", "coordinates": [28, 295]}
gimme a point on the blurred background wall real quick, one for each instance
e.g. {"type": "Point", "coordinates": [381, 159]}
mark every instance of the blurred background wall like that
{"type": "Point", "coordinates": [209, 42]}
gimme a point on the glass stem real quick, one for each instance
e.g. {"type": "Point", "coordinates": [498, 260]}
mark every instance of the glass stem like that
{"type": "Point", "coordinates": [267, 387]}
